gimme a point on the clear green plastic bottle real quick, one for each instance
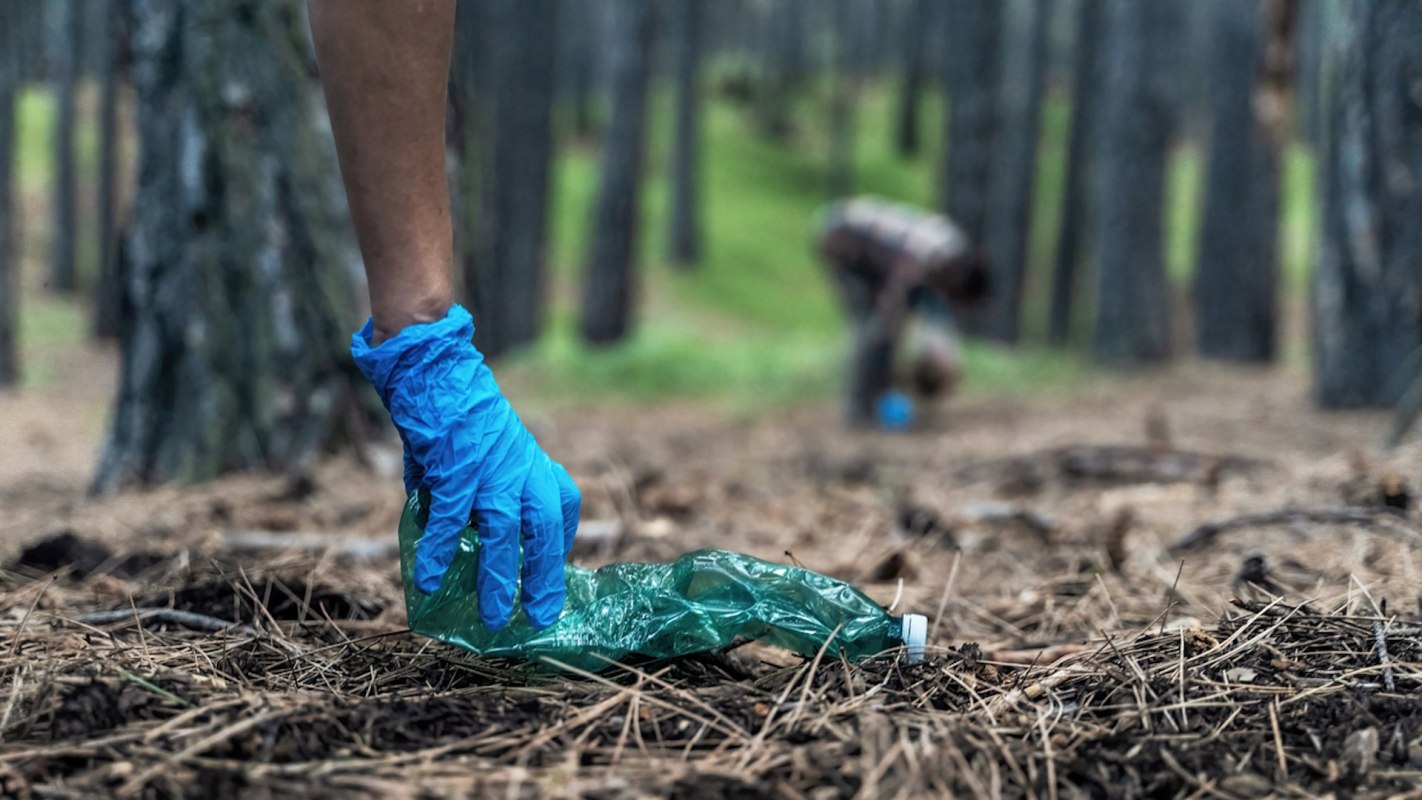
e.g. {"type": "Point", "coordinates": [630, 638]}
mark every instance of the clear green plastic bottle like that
{"type": "Point", "coordinates": [702, 601]}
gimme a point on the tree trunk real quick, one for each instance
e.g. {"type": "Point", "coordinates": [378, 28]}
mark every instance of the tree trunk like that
{"type": "Point", "coordinates": [107, 288]}
{"type": "Point", "coordinates": [784, 67]}
{"type": "Point", "coordinates": [1138, 118]}
{"type": "Point", "coordinates": [1077, 197]}
{"type": "Point", "coordinates": [842, 101]}
{"type": "Point", "coordinates": [1236, 276]}
{"type": "Point", "coordinates": [974, 31]}
{"type": "Point", "coordinates": [10, 65]}
{"type": "Point", "coordinates": [1368, 287]}
{"type": "Point", "coordinates": [64, 275]}
{"type": "Point", "coordinates": [242, 266]}
{"type": "Point", "coordinates": [916, 26]}
{"type": "Point", "coordinates": [1013, 173]}
{"type": "Point", "coordinates": [1308, 122]}
{"type": "Point", "coordinates": [504, 95]}
{"type": "Point", "coordinates": [608, 278]}
{"type": "Point", "coordinates": [684, 238]}
{"type": "Point", "coordinates": [578, 65]}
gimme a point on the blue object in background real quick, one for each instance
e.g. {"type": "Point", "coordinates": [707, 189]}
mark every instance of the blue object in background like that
{"type": "Point", "coordinates": [895, 410]}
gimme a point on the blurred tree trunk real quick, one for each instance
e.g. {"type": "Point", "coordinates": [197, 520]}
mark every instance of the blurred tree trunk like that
{"type": "Point", "coordinates": [845, 79]}
{"type": "Point", "coordinates": [1368, 289]}
{"type": "Point", "coordinates": [1077, 197]}
{"type": "Point", "coordinates": [242, 270]}
{"type": "Point", "coordinates": [783, 57]}
{"type": "Point", "coordinates": [1236, 276]}
{"type": "Point", "coordinates": [579, 20]}
{"type": "Point", "coordinates": [1138, 119]}
{"type": "Point", "coordinates": [64, 275]}
{"type": "Point", "coordinates": [608, 278]}
{"type": "Point", "coordinates": [502, 101]}
{"type": "Point", "coordinates": [916, 25]}
{"type": "Point", "coordinates": [11, 31]}
{"type": "Point", "coordinates": [1309, 72]}
{"type": "Point", "coordinates": [974, 32]}
{"type": "Point", "coordinates": [1014, 169]}
{"type": "Point", "coordinates": [684, 238]}
{"type": "Point", "coordinates": [107, 288]}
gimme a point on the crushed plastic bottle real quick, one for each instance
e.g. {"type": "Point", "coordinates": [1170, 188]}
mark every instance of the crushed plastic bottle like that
{"type": "Point", "coordinates": [702, 601]}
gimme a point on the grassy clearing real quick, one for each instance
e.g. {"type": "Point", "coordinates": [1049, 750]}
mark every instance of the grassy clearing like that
{"type": "Point", "coordinates": [755, 324]}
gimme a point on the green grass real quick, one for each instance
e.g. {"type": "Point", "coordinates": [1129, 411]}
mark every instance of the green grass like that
{"type": "Point", "coordinates": [755, 325]}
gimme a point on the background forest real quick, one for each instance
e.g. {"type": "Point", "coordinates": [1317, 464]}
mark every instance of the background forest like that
{"type": "Point", "coordinates": [636, 185]}
{"type": "Point", "coordinates": [1165, 537]}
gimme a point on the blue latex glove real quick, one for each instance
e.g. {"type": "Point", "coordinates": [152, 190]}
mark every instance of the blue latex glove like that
{"type": "Point", "coordinates": [465, 444]}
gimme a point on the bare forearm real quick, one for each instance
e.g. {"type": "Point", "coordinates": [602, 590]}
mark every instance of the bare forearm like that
{"type": "Point", "coordinates": [384, 66]}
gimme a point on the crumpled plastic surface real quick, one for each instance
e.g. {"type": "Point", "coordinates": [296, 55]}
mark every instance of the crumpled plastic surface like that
{"type": "Point", "coordinates": [464, 443]}
{"type": "Point", "coordinates": [702, 601]}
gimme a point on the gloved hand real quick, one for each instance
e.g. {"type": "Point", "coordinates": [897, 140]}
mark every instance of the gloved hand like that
{"type": "Point", "coordinates": [464, 443]}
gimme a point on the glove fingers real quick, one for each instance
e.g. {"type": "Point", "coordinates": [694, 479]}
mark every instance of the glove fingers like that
{"type": "Point", "coordinates": [498, 518]}
{"type": "Point", "coordinates": [543, 586]}
{"type": "Point", "coordinates": [449, 515]}
{"type": "Point", "coordinates": [571, 502]}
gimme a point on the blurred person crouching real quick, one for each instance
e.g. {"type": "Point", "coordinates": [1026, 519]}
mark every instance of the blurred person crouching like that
{"type": "Point", "coordinates": [898, 267]}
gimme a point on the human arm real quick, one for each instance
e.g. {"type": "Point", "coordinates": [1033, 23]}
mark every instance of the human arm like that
{"type": "Point", "coordinates": [384, 68]}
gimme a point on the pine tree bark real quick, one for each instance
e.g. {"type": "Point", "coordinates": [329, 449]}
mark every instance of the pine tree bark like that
{"type": "Point", "coordinates": [578, 20]}
{"type": "Point", "coordinates": [1236, 275]}
{"type": "Point", "coordinates": [916, 26]}
{"type": "Point", "coordinates": [684, 237]}
{"type": "Point", "coordinates": [974, 32]}
{"type": "Point", "coordinates": [843, 96]}
{"type": "Point", "coordinates": [507, 150]}
{"type": "Point", "coordinates": [107, 288]}
{"type": "Point", "coordinates": [1014, 171]}
{"type": "Point", "coordinates": [242, 265]}
{"type": "Point", "coordinates": [1138, 119]}
{"type": "Point", "coordinates": [1077, 197]}
{"type": "Point", "coordinates": [64, 273]}
{"type": "Point", "coordinates": [10, 31]}
{"type": "Point", "coordinates": [1368, 285]}
{"type": "Point", "coordinates": [608, 283]}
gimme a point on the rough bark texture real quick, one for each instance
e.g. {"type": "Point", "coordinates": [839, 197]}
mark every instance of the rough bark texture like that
{"type": "Point", "coordinates": [1138, 117]}
{"type": "Point", "coordinates": [1077, 198]}
{"type": "Point", "coordinates": [973, 65]}
{"type": "Point", "coordinates": [106, 289]}
{"type": "Point", "coordinates": [242, 263]}
{"type": "Point", "coordinates": [10, 31]}
{"type": "Point", "coordinates": [1368, 289]}
{"type": "Point", "coordinates": [507, 141]}
{"type": "Point", "coordinates": [1236, 275]}
{"type": "Point", "coordinates": [1013, 172]}
{"type": "Point", "coordinates": [609, 278]}
{"type": "Point", "coordinates": [64, 273]}
{"type": "Point", "coordinates": [684, 237]}
{"type": "Point", "coordinates": [915, 27]}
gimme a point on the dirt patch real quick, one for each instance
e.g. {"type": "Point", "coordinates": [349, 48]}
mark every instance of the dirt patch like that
{"type": "Point", "coordinates": [1075, 647]}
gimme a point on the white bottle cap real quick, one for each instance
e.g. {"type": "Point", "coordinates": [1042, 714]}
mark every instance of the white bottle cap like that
{"type": "Point", "coordinates": [915, 635]}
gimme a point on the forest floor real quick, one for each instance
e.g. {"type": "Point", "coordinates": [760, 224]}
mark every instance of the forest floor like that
{"type": "Point", "coordinates": [1077, 649]}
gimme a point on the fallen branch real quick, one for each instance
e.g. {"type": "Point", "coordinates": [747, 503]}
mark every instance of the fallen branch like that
{"type": "Point", "coordinates": [1206, 534]}
{"type": "Point", "coordinates": [1110, 464]}
{"type": "Point", "coordinates": [172, 616]}
{"type": "Point", "coordinates": [1384, 659]}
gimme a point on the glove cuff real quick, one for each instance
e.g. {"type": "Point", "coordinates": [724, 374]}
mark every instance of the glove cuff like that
{"type": "Point", "coordinates": [383, 364]}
